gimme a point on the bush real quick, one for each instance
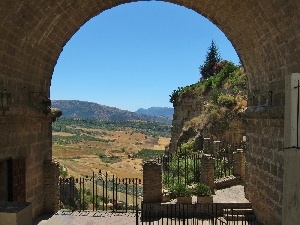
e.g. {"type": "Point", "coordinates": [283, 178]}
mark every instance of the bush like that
{"type": "Point", "coordinates": [186, 148]}
{"type": "Point", "coordinates": [180, 190]}
{"type": "Point", "coordinates": [226, 100]}
{"type": "Point", "coordinates": [202, 190]}
{"type": "Point", "coordinates": [175, 95]}
{"type": "Point", "coordinates": [214, 115]}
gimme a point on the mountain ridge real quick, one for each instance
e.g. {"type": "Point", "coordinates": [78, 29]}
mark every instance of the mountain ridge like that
{"type": "Point", "coordinates": [91, 110]}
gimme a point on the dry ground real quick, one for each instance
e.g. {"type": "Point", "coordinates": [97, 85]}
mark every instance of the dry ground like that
{"type": "Point", "coordinates": [82, 159]}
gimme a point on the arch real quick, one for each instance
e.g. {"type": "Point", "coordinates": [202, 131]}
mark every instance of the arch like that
{"type": "Point", "coordinates": [265, 34]}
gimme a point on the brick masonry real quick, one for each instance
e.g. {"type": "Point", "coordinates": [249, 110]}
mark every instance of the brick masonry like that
{"type": "Point", "coordinates": [152, 178]}
{"type": "Point", "coordinates": [265, 35]}
{"type": "Point", "coordinates": [51, 187]}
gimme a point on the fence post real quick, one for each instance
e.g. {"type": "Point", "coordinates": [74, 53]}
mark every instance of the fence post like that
{"type": "Point", "coordinates": [152, 178]}
{"type": "Point", "coordinates": [207, 175]}
{"type": "Point", "coordinates": [239, 162]}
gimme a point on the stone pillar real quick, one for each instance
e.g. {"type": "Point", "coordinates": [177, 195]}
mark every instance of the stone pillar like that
{"type": "Point", "coordinates": [207, 175]}
{"type": "Point", "coordinates": [239, 164]}
{"type": "Point", "coordinates": [51, 188]}
{"type": "Point", "coordinates": [152, 182]}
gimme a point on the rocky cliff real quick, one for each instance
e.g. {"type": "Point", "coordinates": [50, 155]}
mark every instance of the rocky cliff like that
{"type": "Point", "coordinates": [211, 108]}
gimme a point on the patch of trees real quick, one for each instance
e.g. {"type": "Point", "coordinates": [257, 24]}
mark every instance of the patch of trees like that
{"type": "Point", "coordinates": [81, 126]}
{"type": "Point", "coordinates": [74, 139]}
{"type": "Point", "coordinates": [149, 154]}
{"type": "Point", "coordinates": [223, 79]}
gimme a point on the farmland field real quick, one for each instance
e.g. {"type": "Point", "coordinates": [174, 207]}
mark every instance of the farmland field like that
{"type": "Point", "coordinates": [82, 148]}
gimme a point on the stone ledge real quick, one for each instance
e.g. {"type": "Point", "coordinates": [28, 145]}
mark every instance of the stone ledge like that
{"type": "Point", "coordinates": [16, 213]}
{"type": "Point", "coordinates": [227, 182]}
{"type": "Point", "coordinates": [13, 207]}
{"type": "Point", "coordinates": [272, 112]}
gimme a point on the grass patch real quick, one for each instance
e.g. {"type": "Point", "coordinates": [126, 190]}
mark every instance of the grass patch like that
{"type": "Point", "coordinates": [148, 154]}
{"type": "Point", "coordinates": [109, 159]}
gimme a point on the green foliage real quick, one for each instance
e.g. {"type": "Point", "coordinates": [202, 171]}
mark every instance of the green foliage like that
{"type": "Point", "coordinates": [65, 140]}
{"type": "Point", "coordinates": [202, 190]}
{"type": "Point", "coordinates": [215, 95]}
{"type": "Point", "coordinates": [226, 100]}
{"type": "Point", "coordinates": [181, 169]}
{"type": "Point", "coordinates": [238, 78]}
{"type": "Point", "coordinates": [186, 148]}
{"type": "Point", "coordinates": [148, 154]}
{"type": "Point", "coordinates": [212, 57]}
{"type": "Point", "coordinates": [108, 159]}
{"type": "Point", "coordinates": [219, 79]}
{"type": "Point", "coordinates": [175, 95]}
{"type": "Point", "coordinates": [214, 115]}
{"type": "Point", "coordinates": [77, 127]}
{"type": "Point", "coordinates": [63, 171]}
{"type": "Point", "coordinates": [180, 190]}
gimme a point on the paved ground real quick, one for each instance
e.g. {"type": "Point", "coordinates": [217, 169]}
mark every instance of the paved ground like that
{"type": "Point", "coordinates": [234, 194]}
{"type": "Point", "coordinates": [230, 195]}
{"type": "Point", "coordinates": [88, 218]}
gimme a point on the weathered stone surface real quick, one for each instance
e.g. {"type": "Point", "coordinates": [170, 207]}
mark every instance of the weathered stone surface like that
{"type": "Point", "coordinates": [265, 34]}
{"type": "Point", "coordinates": [152, 182]}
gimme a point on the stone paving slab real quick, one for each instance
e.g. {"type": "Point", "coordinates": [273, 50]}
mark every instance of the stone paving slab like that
{"type": "Point", "coordinates": [89, 218]}
{"type": "Point", "coordinates": [112, 218]}
{"type": "Point", "coordinates": [233, 194]}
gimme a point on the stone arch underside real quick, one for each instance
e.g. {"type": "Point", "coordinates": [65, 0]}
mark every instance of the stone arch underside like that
{"type": "Point", "coordinates": [265, 34]}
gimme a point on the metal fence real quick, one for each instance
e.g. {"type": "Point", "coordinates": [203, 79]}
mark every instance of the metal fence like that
{"type": "Point", "coordinates": [196, 214]}
{"type": "Point", "coordinates": [181, 168]}
{"type": "Point", "coordinates": [100, 192]}
{"type": "Point", "coordinates": [185, 167]}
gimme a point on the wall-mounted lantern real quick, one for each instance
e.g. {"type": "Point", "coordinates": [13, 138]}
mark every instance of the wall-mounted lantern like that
{"type": "Point", "coordinates": [5, 100]}
{"type": "Point", "coordinates": [41, 101]}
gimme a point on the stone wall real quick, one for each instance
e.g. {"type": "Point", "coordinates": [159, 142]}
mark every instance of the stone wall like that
{"type": "Point", "coordinates": [29, 138]}
{"type": "Point", "coordinates": [51, 187]}
{"type": "Point", "coordinates": [33, 33]}
{"type": "Point", "coordinates": [265, 163]}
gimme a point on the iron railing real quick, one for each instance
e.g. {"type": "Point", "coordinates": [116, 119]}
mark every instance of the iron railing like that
{"type": "Point", "coordinates": [196, 214]}
{"type": "Point", "coordinates": [100, 192]}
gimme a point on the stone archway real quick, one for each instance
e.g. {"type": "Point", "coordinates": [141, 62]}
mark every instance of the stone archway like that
{"type": "Point", "coordinates": [265, 34]}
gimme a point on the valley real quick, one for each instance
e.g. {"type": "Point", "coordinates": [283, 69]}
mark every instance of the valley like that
{"type": "Point", "coordinates": [84, 146]}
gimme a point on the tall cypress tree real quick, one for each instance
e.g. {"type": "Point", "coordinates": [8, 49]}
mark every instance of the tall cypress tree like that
{"type": "Point", "coordinates": [212, 57]}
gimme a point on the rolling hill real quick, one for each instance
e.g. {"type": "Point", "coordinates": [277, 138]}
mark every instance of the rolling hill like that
{"type": "Point", "coordinates": [90, 110]}
{"type": "Point", "coordinates": [157, 111]}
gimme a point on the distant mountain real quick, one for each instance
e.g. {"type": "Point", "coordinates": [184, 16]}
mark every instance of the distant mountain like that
{"type": "Point", "coordinates": [157, 111]}
{"type": "Point", "coordinates": [90, 110]}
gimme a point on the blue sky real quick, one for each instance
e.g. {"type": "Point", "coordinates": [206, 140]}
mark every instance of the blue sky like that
{"type": "Point", "coordinates": [134, 55]}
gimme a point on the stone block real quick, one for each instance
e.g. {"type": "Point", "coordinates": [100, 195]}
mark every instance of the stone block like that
{"type": "Point", "coordinates": [15, 213]}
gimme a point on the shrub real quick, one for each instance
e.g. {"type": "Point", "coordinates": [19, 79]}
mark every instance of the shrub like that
{"type": "Point", "coordinates": [202, 190]}
{"type": "Point", "coordinates": [180, 190]}
{"type": "Point", "coordinates": [187, 147]}
{"type": "Point", "coordinates": [214, 115]}
{"type": "Point", "coordinates": [226, 100]}
{"type": "Point", "coordinates": [175, 95]}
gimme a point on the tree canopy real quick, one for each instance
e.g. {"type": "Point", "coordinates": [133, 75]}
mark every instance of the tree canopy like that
{"type": "Point", "coordinates": [212, 57]}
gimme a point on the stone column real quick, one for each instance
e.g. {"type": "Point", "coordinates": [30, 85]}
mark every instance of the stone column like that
{"type": "Point", "coordinates": [51, 188]}
{"type": "Point", "coordinates": [207, 175]}
{"type": "Point", "coordinates": [239, 162]}
{"type": "Point", "coordinates": [152, 182]}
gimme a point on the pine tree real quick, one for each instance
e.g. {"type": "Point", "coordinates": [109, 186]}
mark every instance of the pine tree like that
{"type": "Point", "coordinates": [212, 57]}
